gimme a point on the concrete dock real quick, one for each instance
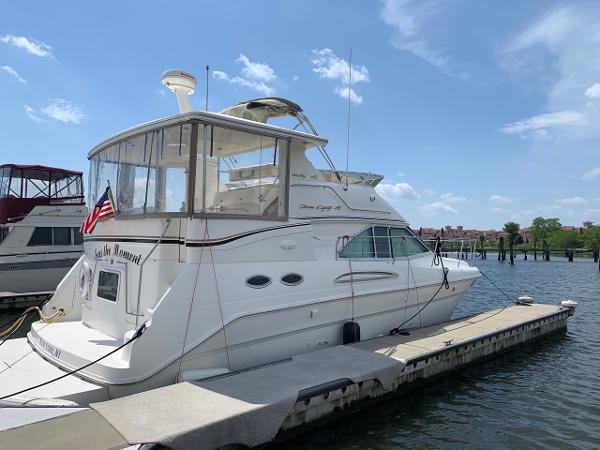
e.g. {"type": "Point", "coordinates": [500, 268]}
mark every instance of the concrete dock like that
{"type": "Point", "coordinates": [271, 402]}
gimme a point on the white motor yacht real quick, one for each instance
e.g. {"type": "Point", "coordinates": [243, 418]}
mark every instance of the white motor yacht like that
{"type": "Point", "coordinates": [41, 210]}
{"type": "Point", "coordinates": [230, 250]}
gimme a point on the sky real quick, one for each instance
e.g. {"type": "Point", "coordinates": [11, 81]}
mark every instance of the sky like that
{"type": "Point", "coordinates": [477, 113]}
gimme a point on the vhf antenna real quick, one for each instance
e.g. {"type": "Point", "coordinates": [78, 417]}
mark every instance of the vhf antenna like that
{"type": "Point", "coordinates": [206, 101]}
{"type": "Point", "coordinates": [349, 108]}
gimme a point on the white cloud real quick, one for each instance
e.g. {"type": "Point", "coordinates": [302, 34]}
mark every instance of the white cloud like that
{"type": "Point", "coordinates": [295, 78]}
{"type": "Point", "coordinates": [593, 91]}
{"type": "Point", "coordinates": [500, 199]}
{"type": "Point", "coordinates": [31, 113]}
{"type": "Point", "coordinates": [31, 46]}
{"type": "Point", "coordinates": [330, 66]}
{"type": "Point", "coordinates": [58, 109]}
{"type": "Point", "coordinates": [591, 174]}
{"type": "Point", "coordinates": [12, 72]}
{"type": "Point", "coordinates": [253, 75]}
{"type": "Point", "coordinates": [451, 198]}
{"type": "Point", "coordinates": [429, 191]}
{"type": "Point", "coordinates": [559, 53]}
{"type": "Point", "coordinates": [540, 123]}
{"type": "Point", "coordinates": [592, 211]}
{"type": "Point", "coordinates": [435, 208]}
{"type": "Point", "coordinates": [571, 201]}
{"type": "Point", "coordinates": [549, 207]}
{"type": "Point", "coordinates": [63, 110]}
{"type": "Point", "coordinates": [497, 210]}
{"type": "Point", "coordinates": [256, 71]}
{"type": "Point", "coordinates": [411, 21]}
{"type": "Point", "coordinates": [354, 97]}
{"type": "Point", "coordinates": [395, 191]}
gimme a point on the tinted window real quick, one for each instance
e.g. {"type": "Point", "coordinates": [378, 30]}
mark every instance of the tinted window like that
{"type": "Point", "coordinates": [404, 243]}
{"type": "Point", "coordinates": [62, 236]}
{"type": "Point", "coordinates": [3, 233]}
{"type": "Point", "coordinates": [77, 237]}
{"type": "Point", "coordinates": [41, 236]}
{"type": "Point", "coordinates": [382, 242]}
{"type": "Point", "coordinates": [360, 246]}
{"type": "Point", "coordinates": [108, 285]}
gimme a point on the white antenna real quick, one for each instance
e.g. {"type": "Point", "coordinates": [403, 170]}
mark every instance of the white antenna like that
{"type": "Point", "coordinates": [183, 84]}
{"type": "Point", "coordinates": [206, 102]}
{"type": "Point", "coordinates": [349, 107]}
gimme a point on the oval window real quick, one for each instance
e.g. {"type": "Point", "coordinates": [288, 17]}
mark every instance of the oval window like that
{"type": "Point", "coordinates": [292, 279]}
{"type": "Point", "coordinates": [258, 281]}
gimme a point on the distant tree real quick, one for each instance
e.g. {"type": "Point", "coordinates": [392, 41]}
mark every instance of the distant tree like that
{"type": "Point", "coordinates": [565, 239]}
{"type": "Point", "coordinates": [591, 237]}
{"type": "Point", "coordinates": [542, 228]}
{"type": "Point", "coordinates": [512, 230]}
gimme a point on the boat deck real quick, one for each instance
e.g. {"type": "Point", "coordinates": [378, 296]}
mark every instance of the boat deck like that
{"type": "Point", "coordinates": [267, 403]}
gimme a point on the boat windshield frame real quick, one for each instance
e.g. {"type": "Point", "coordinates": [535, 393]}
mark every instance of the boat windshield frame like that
{"type": "Point", "coordinates": [198, 122]}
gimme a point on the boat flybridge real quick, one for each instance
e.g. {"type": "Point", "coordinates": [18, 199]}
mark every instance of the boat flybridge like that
{"type": "Point", "coordinates": [230, 250]}
{"type": "Point", "coordinates": [41, 210]}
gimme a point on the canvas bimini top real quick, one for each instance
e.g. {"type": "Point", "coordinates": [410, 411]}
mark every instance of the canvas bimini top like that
{"type": "Point", "coordinates": [22, 187]}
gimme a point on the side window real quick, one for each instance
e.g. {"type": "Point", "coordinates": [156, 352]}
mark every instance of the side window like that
{"type": "Point", "coordinates": [41, 236]}
{"type": "Point", "coordinates": [360, 246]}
{"type": "Point", "coordinates": [61, 235]}
{"type": "Point", "coordinates": [77, 237]}
{"type": "Point", "coordinates": [382, 242]}
{"type": "Point", "coordinates": [108, 285]}
{"type": "Point", "coordinates": [404, 243]}
{"type": "Point", "coordinates": [3, 233]}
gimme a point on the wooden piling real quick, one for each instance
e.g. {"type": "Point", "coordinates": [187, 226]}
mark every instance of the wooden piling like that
{"type": "Point", "coordinates": [511, 251]}
{"type": "Point", "coordinates": [524, 255]}
{"type": "Point", "coordinates": [501, 252]}
{"type": "Point", "coordinates": [570, 255]}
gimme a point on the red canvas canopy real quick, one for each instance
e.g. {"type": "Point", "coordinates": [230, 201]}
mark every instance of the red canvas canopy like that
{"type": "Point", "coordinates": [22, 187]}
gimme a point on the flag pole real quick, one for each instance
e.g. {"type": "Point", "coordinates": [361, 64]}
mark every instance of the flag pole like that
{"type": "Point", "coordinates": [110, 194]}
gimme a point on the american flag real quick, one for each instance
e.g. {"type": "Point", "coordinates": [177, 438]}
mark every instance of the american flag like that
{"type": "Point", "coordinates": [102, 210]}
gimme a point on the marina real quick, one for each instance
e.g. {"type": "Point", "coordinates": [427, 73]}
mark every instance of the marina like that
{"type": "Point", "coordinates": [256, 406]}
{"type": "Point", "coordinates": [217, 233]}
{"type": "Point", "coordinates": [362, 311]}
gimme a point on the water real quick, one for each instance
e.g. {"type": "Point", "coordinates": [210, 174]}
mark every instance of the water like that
{"type": "Point", "coordinates": [543, 395]}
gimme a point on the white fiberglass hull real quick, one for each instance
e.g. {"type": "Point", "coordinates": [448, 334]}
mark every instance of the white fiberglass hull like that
{"type": "Point", "coordinates": [24, 367]}
{"type": "Point", "coordinates": [39, 276]}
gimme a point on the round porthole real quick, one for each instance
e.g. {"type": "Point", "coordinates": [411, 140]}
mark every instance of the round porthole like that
{"type": "Point", "coordinates": [258, 281]}
{"type": "Point", "coordinates": [292, 279]}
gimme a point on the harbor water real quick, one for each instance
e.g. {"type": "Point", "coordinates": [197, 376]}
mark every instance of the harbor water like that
{"type": "Point", "coordinates": [543, 395]}
{"type": "Point", "coordinates": [540, 396]}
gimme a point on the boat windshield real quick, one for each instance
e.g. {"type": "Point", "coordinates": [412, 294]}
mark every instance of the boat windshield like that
{"type": "Point", "coordinates": [236, 172]}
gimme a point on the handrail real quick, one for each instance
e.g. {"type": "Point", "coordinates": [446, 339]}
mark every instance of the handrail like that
{"type": "Point", "coordinates": [162, 235]}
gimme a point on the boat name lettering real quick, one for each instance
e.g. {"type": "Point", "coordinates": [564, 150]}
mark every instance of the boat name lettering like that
{"type": "Point", "coordinates": [320, 208]}
{"type": "Point", "coordinates": [118, 252]}
{"type": "Point", "coordinates": [49, 348]}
